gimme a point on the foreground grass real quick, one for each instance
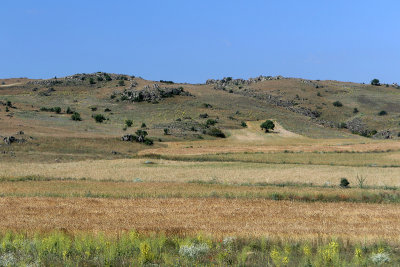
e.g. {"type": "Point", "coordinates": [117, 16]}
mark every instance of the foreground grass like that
{"type": "Point", "coordinates": [48, 187]}
{"type": "Point", "coordinates": [134, 249]}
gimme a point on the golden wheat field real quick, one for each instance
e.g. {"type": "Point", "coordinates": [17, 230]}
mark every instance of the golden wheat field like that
{"type": "Point", "coordinates": [225, 172]}
{"type": "Point", "coordinates": [215, 216]}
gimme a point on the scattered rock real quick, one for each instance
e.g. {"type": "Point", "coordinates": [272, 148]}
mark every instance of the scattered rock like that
{"type": "Point", "coordinates": [153, 93]}
{"type": "Point", "coordinates": [385, 134]}
{"type": "Point", "coordinates": [128, 138]}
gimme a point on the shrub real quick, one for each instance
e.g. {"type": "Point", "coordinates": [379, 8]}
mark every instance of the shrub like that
{"type": "Point", "coordinates": [243, 124]}
{"type": "Point", "coordinates": [375, 82]}
{"type": "Point", "coordinates": [216, 132]}
{"type": "Point", "coordinates": [91, 81]}
{"type": "Point", "coordinates": [93, 108]}
{"type": "Point", "coordinates": [7, 109]}
{"type": "Point", "coordinates": [206, 105]}
{"type": "Point", "coordinates": [107, 110]}
{"type": "Point", "coordinates": [9, 104]}
{"type": "Point", "coordinates": [382, 113]}
{"type": "Point", "coordinates": [69, 111]}
{"type": "Point", "coordinates": [194, 251]}
{"type": "Point", "coordinates": [143, 125]}
{"type": "Point", "coordinates": [170, 82]}
{"type": "Point", "coordinates": [121, 83]}
{"type": "Point", "coordinates": [337, 104]}
{"type": "Point", "coordinates": [57, 110]}
{"type": "Point", "coordinates": [203, 116]}
{"type": "Point", "coordinates": [76, 116]}
{"type": "Point", "coordinates": [166, 131]}
{"type": "Point", "coordinates": [355, 110]}
{"type": "Point", "coordinates": [211, 122]}
{"type": "Point", "coordinates": [99, 118]}
{"type": "Point", "coordinates": [128, 123]}
{"type": "Point", "coordinates": [267, 125]}
{"type": "Point", "coordinates": [108, 78]}
{"type": "Point", "coordinates": [99, 78]}
{"type": "Point", "coordinates": [319, 94]}
{"type": "Point", "coordinates": [344, 183]}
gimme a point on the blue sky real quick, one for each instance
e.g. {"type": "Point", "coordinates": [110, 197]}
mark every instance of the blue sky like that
{"type": "Point", "coordinates": [191, 41]}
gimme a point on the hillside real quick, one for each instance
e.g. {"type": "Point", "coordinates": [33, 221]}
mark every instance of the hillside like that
{"type": "Point", "coordinates": [302, 107]}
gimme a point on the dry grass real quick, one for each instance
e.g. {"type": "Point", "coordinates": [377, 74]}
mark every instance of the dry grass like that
{"type": "Point", "coordinates": [226, 172]}
{"type": "Point", "coordinates": [214, 216]}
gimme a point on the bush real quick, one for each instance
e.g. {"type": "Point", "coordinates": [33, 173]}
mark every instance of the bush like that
{"type": "Point", "coordinates": [9, 104]}
{"type": "Point", "coordinates": [93, 108]}
{"type": "Point", "coordinates": [57, 110]}
{"type": "Point", "coordinates": [170, 82]}
{"type": "Point", "coordinates": [7, 109]}
{"type": "Point", "coordinates": [344, 183]}
{"type": "Point", "coordinates": [355, 110]}
{"type": "Point", "coordinates": [76, 116]}
{"type": "Point", "coordinates": [69, 111]}
{"type": "Point", "coordinates": [121, 83]}
{"type": "Point", "coordinates": [91, 81]}
{"type": "Point", "coordinates": [99, 78]}
{"type": "Point", "coordinates": [99, 118]}
{"type": "Point", "coordinates": [210, 122]}
{"type": "Point", "coordinates": [206, 105]}
{"type": "Point", "coordinates": [375, 82]}
{"type": "Point", "coordinates": [203, 116]}
{"type": "Point", "coordinates": [143, 125]}
{"type": "Point", "coordinates": [243, 124]}
{"type": "Point", "coordinates": [108, 78]}
{"type": "Point", "coordinates": [382, 113]}
{"type": "Point", "coordinates": [107, 110]}
{"type": "Point", "coordinates": [337, 104]}
{"type": "Point", "coordinates": [166, 131]}
{"type": "Point", "coordinates": [216, 132]}
{"type": "Point", "coordinates": [128, 123]}
{"type": "Point", "coordinates": [267, 125]}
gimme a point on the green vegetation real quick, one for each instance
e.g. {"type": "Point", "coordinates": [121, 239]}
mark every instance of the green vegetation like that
{"type": "Point", "coordinates": [375, 82]}
{"type": "Point", "coordinates": [76, 116]}
{"type": "Point", "coordinates": [216, 132]}
{"type": "Point", "coordinates": [337, 104]}
{"type": "Point", "coordinates": [243, 124]}
{"type": "Point", "coordinates": [99, 118]}
{"type": "Point", "coordinates": [267, 125]}
{"type": "Point", "coordinates": [211, 122]}
{"type": "Point", "coordinates": [136, 249]}
{"type": "Point", "coordinates": [344, 183]}
{"type": "Point", "coordinates": [121, 83]}
{"type": "Point", "coordinates": [128, 123]}
{"type": "Point", "coordinates": [55, 109]}
{"type": "Point", "coordinates": [382, 113]}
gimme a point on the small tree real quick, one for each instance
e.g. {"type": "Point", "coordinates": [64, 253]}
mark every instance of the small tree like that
{"type": "Point", "coordinates": [382, 113]}
{"type": "Point", "coordinates": [355, 110]}
{"type": "Point", "coordinates": [141, 135]}
{"type": "Point", "coordinates": [166, 131]}
{"type": "Point", "coordinates": [143, 125]}
{"type": "Point", "coordinates": [344, 183]}
{"type": "Point", "coordinates": [76, 116]}
{"type": "Point", "coordinates": [91, 81]}
{"type": "Point", "coordinates": [375, 82]}
{"type": "Point", "coordinates": [57, 110]}
{"type": "Point", "coordinates": [337, 104]}
{"type": "Point", "coordinates": [243, 124]}
{"type": "Point", "coordinates": [267, 125]}
{"type": "Point", "coordinates": [99, 118]}
{"type": "Point", "coordinates": [9, 104]}
{"type": "Point", "coordinates": [69, 111]}
{"type": "Point", "coordinates": [128, 123]}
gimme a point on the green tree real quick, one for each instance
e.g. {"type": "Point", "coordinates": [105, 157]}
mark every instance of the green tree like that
{"type": "Point", "coordinates": [375, 82]}
{"type": "Point", "coordinates": [129, 123]}
{"type": "Point", "coordinates": [76, 116]}
{"type": "Point", "coordinates": [267, 125]}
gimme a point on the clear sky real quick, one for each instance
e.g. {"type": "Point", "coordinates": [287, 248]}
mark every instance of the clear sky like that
{"type": "Point", "coordinates": [191, 41]}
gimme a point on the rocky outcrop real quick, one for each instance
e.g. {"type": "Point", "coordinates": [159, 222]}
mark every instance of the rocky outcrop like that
{"type": "Point", "coordinates": [229, 81]}
{"type": "Point", "coordinates": [385, 134]}
{"type": "Point", "coordinates": [8, 140]}
{"type": "Point", "coordinates": [151, 93]}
